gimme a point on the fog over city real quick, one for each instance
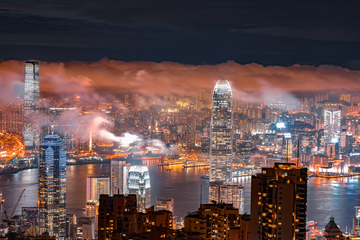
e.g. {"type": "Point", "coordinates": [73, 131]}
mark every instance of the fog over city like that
{"type": "Point", "coordinates": [106, 79]}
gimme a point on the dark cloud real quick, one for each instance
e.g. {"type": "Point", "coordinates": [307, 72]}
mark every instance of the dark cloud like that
{"type": "Point", "coordinates": [267, 32]}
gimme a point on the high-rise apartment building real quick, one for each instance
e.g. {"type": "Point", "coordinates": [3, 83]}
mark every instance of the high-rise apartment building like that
{"type": "Point", "coordinates": [52, 187]}
{"type": "Point", "coordinates": [221, 143]}
{"type": "Point", "coordinates": [278, 203]}
{"type": "Point", "coordinates": [119, 171]}
{"type": "Point", "coordinates": [332, 126]}
{"type": "Point", "coordinates": [212, 221]}
{"type": "Point", "coordinates": [112, 208]}
{"type": "Point", "coordinates": [227, 193]}
{"type": "Point", "coordinates": [31, 106]}
{"type": "Point", "coordinates": [95, 186]}
{"type": "Point", "coordinates": [139, 184]}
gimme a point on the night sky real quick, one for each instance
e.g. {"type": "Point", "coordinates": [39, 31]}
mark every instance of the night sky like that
{"type": "Point", "coordinates": [193, 32]}
{"type": "Point", "coordinates": [266, 49]}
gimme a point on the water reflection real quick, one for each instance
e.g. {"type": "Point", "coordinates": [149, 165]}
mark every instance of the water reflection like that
{"type": "Point", "coordinates": [325, 196]}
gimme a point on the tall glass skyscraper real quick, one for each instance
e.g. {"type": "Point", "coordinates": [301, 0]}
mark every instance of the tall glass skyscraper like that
{"type": "Point", "coordinates": [52, 187]}
{"type": "Point", "coordinates": [332, 126]}
{"type": "Point", "coordinates": [221, 148]}
{"type": "Point", "coordinates": [139, 184]}
{"type": "Point", "coordinates": [31, 106]}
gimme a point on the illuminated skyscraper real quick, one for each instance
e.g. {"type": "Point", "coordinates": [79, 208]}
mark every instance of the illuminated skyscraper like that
{"type": "Point", "coordinates": [139, 184]}
{"type": "Point", "coordinates": [31, 106]}
{"type": "Point", "coordinates": [221, 149]}
{"type": "Point", "coordinates": [332, 126]}
{"type": "Point", "coordinates": [52, 187]}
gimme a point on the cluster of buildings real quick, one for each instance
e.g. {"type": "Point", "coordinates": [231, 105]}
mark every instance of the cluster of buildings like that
{"type": "Point", "coordinates": [288, 139]}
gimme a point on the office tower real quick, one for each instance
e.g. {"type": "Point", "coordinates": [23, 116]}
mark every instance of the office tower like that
{"type": "Point", "coordinates": [139, 184]}
{"type": "Point", "coordinates": [119, 172]}
{"type": "Point", "coordinates": [205, 145]}
{"type": "Point", "coordinates": [190, 132]}
{"type": "Point", "coordinates": [92, 212]}
{"type": "Point", "coordinates": [87, 228]}
{"type": "Point", "coordinates": [245, 151]}
{"type": "Point", "coordinates": [110, 209]}
{"type": "Point", "coordinates": [227, 193]}
{"type": "Point", "coordinates": [221, 149]}
{"type": "Point", "coordinates": [287, 146]}
{"type": "Point", "coordinates": [332, 126]}
{"type": "Point", "coordinates": [278, 203]}
{"type": "Point", "coordinates": [95, 186]}
{"type": "Point", "coordinates": [165, 204]}
{"type": "Point", "coordinates": [31, 106]}
{"type": "Point", "coordinates": [52, 187]}
{"type": "Point", "coordinates": [70, 226]}
{"type": "Point", "coordinates": [212, 221]}
{"type": "Point", "coordinates": [332, 231]}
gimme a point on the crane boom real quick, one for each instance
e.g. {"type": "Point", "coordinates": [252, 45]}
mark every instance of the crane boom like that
{"type": "Point", "coordinates": [12, 213]}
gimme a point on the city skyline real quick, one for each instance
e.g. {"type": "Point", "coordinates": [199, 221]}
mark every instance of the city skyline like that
{"type": "Point", "coordinates": [234, 120]}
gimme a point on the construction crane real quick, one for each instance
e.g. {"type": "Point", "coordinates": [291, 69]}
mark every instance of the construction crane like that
{"type": "Point", "coordinates": [8, 219]}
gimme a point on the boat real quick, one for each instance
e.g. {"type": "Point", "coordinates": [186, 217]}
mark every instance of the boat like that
{"type": "Point", "coordinates": [206, 176]}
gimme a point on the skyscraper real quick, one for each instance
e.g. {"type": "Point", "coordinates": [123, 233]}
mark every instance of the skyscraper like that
{"type": "Point", "coordinates": [221, 148]}
{"type": "Point", "coordinates": [31, 106]}
{"type": "Point", "coordinates": [227, 193]}
{"type": "Point", "coordinates": [119, 171]}
{"type": "Point", "coordinates": [95, 186]}
{"type": "Point", "coordinates": [278, 203]}
{"type": "Point", "coordinates": [332, 126]}
{"type": "Point", "coordinates": [139, 184]}
{"type": "Point", "coordinates": [52, 187]}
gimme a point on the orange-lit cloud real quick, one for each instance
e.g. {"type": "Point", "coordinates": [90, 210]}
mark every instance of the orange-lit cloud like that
{"type": "Point", "coordinates": [106, 77]}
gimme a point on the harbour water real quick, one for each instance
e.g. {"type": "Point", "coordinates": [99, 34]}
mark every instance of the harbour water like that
{"type": "Point", "coordinates": [326, 197]}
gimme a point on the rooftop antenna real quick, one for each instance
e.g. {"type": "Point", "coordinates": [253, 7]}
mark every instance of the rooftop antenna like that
{"type": "Point", "coordinates": [52, 127]}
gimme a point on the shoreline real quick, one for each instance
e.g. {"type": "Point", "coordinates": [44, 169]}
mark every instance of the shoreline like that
{"type": "Point", "coordinates": [67, 164]}
{"type": "Point", "coordinates": [17, 170]}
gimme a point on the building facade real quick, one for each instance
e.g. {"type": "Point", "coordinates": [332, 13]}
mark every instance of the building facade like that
{"type": "Point", "coordinates": [212, 221]}
{"type": "Point", "coordinates": [119, 172]}
{"type": "Point", "coordinates": [165, 204]}
{"type": "Point", "coordinates": [31, 106]}
{"type": "Point", "coordinates": [278, 203]}
{"type": "Point", "coordinates": [139, 184]}
{"type": "Point", "coordinates": [52, 187]}
{"type": "Point", "coordinates": [227, 193]}
{"type": "Point", "coordinates": [95, 186]}
{"type": "Point", "coordinates": [332, 126]}
{"type": "Point", "coordinates": [221, 143]}
{"type": "Point", "coordinates": [112, 208]}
